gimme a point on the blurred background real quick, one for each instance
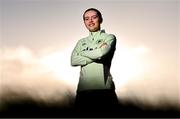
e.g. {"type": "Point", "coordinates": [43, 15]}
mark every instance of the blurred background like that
{"type": "Point", "coordinates": [38, 36]}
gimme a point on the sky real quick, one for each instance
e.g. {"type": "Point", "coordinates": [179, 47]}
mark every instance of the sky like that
{"type": "Point", "coordinates": [38, 36]}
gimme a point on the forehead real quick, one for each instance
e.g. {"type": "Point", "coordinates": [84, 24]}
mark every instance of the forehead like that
{"type": "Point", "coordinates": [90, 13]}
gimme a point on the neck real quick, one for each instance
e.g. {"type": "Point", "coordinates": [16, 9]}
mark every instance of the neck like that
{"type": "Point", "coordinates": [96, 30]}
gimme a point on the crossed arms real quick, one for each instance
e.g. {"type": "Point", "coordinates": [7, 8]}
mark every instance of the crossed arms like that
{"type": "Point", "coordinates": [81, 58]}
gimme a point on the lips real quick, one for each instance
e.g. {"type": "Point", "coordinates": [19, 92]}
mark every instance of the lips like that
{"type": "Point", "coordinates": [92, 24]}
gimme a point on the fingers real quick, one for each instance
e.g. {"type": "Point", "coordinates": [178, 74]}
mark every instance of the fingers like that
{"type": "Point", "coordinates": [103, 45]}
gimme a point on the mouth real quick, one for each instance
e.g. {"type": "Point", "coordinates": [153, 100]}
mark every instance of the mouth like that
{"type": "Point", "coordinates": [92, 24]}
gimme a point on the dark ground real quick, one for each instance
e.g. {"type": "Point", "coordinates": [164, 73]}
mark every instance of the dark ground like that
{"type": "Point", "coordinates": [29, 108]}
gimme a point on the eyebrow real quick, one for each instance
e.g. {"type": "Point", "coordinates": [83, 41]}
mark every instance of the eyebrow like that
{"type": "Point", "coordinates": [91, 16]}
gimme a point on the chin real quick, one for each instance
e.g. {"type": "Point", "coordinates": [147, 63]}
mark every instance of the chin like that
{"type": "Point", "coordinates": [93, 30]}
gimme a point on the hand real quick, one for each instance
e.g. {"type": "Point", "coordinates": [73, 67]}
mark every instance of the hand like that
{"type": "Point", "coordinates": [103, 45]}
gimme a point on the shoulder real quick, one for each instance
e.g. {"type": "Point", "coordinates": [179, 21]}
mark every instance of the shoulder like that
{"type": "Point", "coordinates": [104, 34]}
{"type": "Point", "coordinates": [82, 40]}
{"type": "Point", "coordinates": [109, 36]}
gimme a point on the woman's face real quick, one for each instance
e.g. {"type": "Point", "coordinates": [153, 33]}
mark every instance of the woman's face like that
{"type": "Point", "coordinates": [92, 21]}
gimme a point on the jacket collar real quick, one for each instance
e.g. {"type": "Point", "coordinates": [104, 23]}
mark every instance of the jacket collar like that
{"type": "Point", "coordinates": [94, 35]}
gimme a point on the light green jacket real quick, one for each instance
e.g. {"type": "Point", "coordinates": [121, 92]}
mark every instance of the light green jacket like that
{"type": "Point", "coordinates": [95, 61]}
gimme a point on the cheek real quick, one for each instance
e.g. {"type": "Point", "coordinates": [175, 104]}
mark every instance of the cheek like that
{"type": "Point", "coordinates": [97, 24]}
{"type": "Point", "coordinates": [85, 23]}
{"type": "Point", "coordinates": [96, 21]}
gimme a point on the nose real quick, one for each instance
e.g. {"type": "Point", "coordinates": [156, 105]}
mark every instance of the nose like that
{"type": "Point", "coordinates": [91, 20]}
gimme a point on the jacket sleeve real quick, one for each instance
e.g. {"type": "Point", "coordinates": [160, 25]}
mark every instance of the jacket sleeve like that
{"type": "Point", "coordinates": [77, 59]}
{"type": "Point", "coordinates": [98, 53]}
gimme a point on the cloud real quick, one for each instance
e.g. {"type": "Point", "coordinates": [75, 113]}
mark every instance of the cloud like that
{"type": "Point", "coordinates": [145, 79]}
{"type": "Point", "coordinates": [151, 94]}
{"type": "Point", "coordinates": [25, 77]}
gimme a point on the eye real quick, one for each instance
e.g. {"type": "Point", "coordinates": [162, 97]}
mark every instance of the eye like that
{"type": "Point", "coordinates": [94, 17]}
{"type": "Point", "coordinates": [86, 18]}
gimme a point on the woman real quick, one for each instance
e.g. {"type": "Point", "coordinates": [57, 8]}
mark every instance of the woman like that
{"type": "Point", "coordinates": [94, 54]}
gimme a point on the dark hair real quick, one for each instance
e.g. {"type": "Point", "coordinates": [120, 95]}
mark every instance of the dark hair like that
{"type": "Point", "coordinates": [98, 14]}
